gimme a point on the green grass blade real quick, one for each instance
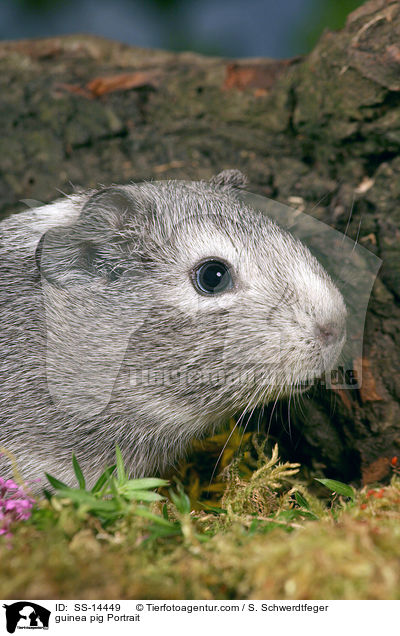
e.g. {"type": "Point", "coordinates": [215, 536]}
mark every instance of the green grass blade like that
{"type": "Point", "coordinates": [302, 501]}
{"type": "Point", "coordinates": [102, 480]}
{"type": "Point", "coordinates": [145, 483]}
{"type": "Point", "coordinates": [121, 474]}
{"type": "Point", "coordinates": [56, 483]}
{"type": "Point", "coordinates": [78, 472]}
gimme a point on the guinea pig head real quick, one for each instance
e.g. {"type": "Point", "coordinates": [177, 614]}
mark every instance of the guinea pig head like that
{"type": "Point", "coordinates": [192, 287]}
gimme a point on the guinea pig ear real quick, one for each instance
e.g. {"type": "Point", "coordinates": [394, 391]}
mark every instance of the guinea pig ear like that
{"type": "Point", "coordinates": [89, 323]}
{"type": "Point", "coordinates": [232, 178]}
{"type": "Point", "coordinates": [94, 246]}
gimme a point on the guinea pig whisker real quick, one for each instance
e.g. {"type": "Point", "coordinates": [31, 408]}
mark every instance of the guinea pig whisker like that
{"type": "Point", "coordinates": [253, 399]}
{"type": "Point", "coordinates": [299, 401]}
{"type": "Point", "coordinates": [349, 219]}
{"type": "Point", "coordinates": [288, 410]}
{"type": "Point", "coordinates": [247, 422]}
{"type": "Point", "coordinates": [260, 416]}
{"type": "Point", "coordinates": [324, 196]}
{"type": "Point", "coordinates": [272, 412]}
{"type": "Point", "coordinates": [357, 236]}
{"type": "Point", "coordinates": [221, 453]}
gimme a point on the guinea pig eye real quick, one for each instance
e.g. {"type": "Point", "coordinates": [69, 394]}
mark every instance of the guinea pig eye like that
{"type": "Point", "coordinates": [212, 277]}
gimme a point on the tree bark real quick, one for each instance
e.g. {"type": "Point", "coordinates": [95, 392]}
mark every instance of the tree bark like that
{"type": "Point", "coordinates": [84, 111]}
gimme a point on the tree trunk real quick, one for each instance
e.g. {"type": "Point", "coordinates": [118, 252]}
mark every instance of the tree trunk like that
{"type": "Point", "coordinates": [85, 111]}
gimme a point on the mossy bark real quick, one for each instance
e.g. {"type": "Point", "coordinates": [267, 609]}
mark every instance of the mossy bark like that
{"type": "Point", "coordinates": [85, 111]}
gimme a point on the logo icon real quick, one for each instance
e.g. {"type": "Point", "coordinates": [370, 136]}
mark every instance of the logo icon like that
{"type": "Point", "coordinates": [26, 615]}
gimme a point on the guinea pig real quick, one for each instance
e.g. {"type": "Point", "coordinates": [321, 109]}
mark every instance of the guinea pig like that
{"type": "Point", "coordinates": [145, 315]}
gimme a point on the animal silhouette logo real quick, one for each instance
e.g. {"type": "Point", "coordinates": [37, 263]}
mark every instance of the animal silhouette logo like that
{"type": "Point", "coordinates": [26, 615]}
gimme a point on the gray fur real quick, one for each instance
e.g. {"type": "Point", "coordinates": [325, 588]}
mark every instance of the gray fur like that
{"type": "Point", "coordinates": [96, 290]}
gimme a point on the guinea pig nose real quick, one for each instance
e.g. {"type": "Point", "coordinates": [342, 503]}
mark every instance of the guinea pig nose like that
{"type": "Point", "coordinates": [328, 332]}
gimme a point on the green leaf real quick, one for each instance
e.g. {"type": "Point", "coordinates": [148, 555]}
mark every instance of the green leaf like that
{"type": "Point", "coordinates": [307, 514]}
{"type": "Point", "coordinates": [47, 494]}
{"type": "Point", "coordinates": [145, 512]}
{"type": "Point", "coordinates": [92, 503]}
{"type": "Point", "coordinates": [121, 474]}
{"type": "Point", "coordinates": [290, 515]}
{"type": "Point", "coordinates": [337, 486]}
{"type": "Point", "coordinates": [146, 482]}
{"type": "Point", "coordinates": [181, 500]}
{"type": "Point", "coordinates": [302, 501]}
{"type": "Point", "coordinates": [56, 483]}
{"type": "Point", "coordinates": [140, 495]}
{"type": "Point", "coordinates": [102, 480]}
{"type": "Point", "coordinates": [78, 472]}
{"type": "Point", "coordinates": [215, 509]}
{"type": "Point", "coordinates": [114, 487]}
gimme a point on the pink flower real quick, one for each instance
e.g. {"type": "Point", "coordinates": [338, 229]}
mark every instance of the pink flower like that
{"type": "Point", "coordinates": [15, 505]}
{"type": "Point", "coordinates": [8, 484]}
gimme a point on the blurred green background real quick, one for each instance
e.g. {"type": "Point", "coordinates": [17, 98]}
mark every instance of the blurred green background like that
{"type": "Point", "coordinates": [223, 27]}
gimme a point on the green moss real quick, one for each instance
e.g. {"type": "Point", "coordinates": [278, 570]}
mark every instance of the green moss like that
{"type": "Point", "coordinates": [269, 537]}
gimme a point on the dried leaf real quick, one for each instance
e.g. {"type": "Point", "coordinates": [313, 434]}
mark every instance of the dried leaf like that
{"type": "Point", "coordinates": [122, 82]}
{"type": "Point", "coordinates": [258, 74]}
